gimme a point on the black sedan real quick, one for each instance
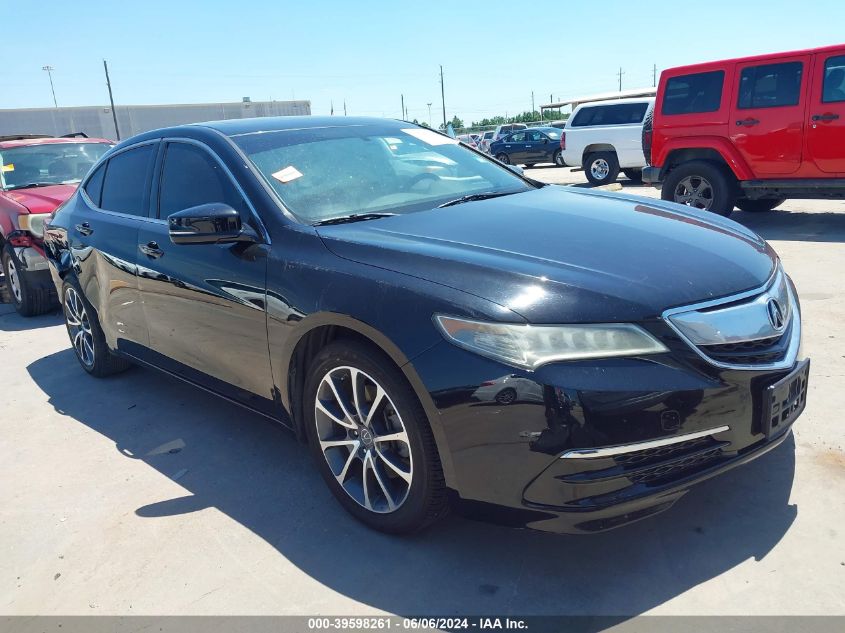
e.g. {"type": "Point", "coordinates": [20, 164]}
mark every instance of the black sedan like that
{"type": "Point", "coordinates": [529, 147]}
{"type": "Point", "coordinates": [438, 330]}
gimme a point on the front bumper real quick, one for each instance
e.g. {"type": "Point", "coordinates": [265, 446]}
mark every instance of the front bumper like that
{"type": "Point", "coordinates": [508, 462]}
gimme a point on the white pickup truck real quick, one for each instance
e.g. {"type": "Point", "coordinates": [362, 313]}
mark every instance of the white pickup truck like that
{"type": "Point", "coordinates": [605, 137]}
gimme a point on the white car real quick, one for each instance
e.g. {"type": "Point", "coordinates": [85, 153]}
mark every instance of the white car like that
{"type": "Point", "coordinates": [509, 390]}
{"type": "Point", "coordinates": [486, 139]}
{"type": "Point", "coordinates": [606, 137]}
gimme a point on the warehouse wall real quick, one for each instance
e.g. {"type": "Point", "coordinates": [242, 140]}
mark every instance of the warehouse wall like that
{"type": "Point", "coordinates": [97, 121]}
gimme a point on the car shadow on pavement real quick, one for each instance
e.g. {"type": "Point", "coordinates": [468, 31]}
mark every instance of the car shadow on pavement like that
{"type": "Point", "coordinates": [256, 473]}
{"type": "Point", "coordinates": [803, 226]}
{"type": "Point", "coordinates": [11, 321]}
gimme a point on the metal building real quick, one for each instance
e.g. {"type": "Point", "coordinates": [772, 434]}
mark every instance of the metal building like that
{"type": "Point", "coordinates": [98, 121]}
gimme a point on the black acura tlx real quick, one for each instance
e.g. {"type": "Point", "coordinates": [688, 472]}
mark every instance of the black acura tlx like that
{"type": "Point", "coordinates": [437, 328]}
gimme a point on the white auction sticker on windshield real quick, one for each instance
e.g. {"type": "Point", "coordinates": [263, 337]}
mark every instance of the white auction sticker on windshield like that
{"type": "Point", "coordinates": [430, 137]}
{"type": "Point", "coordinates": [287, 174]}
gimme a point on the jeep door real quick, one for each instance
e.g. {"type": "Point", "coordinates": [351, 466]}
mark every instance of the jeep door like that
{"type": "Point", "coordinates": [826, 124]}
{"type": "Point", "coordinates": [767, 114]}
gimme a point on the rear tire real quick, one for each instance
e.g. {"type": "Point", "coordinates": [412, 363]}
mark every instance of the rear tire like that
{"type": "Point", "coordinates": [394, 486]}
{"type": "Point", "coordinates": [757, 206]}
{"type": "Point", "coordinates": [634, 175]}
{"type": "Point", "coordinates": [503, 158]}
{"type": "Point", "coordinates": [86, 335]}
{"type": "Point", "coordinates": [558, 159]}
{"type": "Point", "coordinates": [28, 300]}
{"type": "Point", "coordinates": [702, 185]}
{"type": "Point", "coordinates": [601, 168]}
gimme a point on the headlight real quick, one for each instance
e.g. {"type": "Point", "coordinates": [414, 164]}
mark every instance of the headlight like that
{"type": "Point", "coordinates": [529, 346]}
{"type": "Point", "coordinates": [33, 222]}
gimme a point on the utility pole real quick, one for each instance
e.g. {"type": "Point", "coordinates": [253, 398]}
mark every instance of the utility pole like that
{"type": "Point", "coordinates": [344, 107]}
{"type": "Point", "coordinates": [50, 70]}
{"type": "Point", "coordinates": [403, 107]}
{"type": "Point", "coordinates": [532, 103]}
{"type": "Point", "coordinates": [654, 76]}
{"type": "Point", "coordinates": [111, 100]}
{"type": "Point", "coordinates": [443, 96]}
{"type": "Point", "coordinates": [430, 122]}
{"type": "Point", "coordinates": [620, 73]}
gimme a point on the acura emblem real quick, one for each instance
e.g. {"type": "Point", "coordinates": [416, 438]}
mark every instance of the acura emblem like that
{"type": "Point", "coordinates": [775, 314]}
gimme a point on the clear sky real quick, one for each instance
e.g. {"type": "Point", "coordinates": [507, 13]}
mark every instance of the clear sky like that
{"type": "Point", "coordinates": [369, 52]}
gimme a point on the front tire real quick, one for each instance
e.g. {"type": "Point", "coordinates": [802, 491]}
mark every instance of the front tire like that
{"type": "Point", "coordinates": [701, 185]}
{"type": "Point", "coordinates": [758, 206]}
{"type": "Point", "coordinates": [371, 440]}
{"type": "Point", "coordinates": [601, 168]}
{"type": "Point", "coordinates": [558, 159]}
{"type": "Point", "coordinates": [86, 335]}
{"type": "Point", "coordinates": [29, 300]}
{"type": "Point", "coordinates": [503, 158]}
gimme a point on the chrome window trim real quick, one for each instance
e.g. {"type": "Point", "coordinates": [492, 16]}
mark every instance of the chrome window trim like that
{"type": "Point", "coordinates": [621, 449]}
{"type": "Point", "coordinates": [795, 334]}
{"type": "Point", "coordinates": [106, 157]}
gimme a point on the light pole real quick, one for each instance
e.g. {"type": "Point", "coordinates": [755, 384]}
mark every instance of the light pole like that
{"type": "Point", "coordinates": [50, 70]}
{"type": "Point", "coordinates": [429, 114]}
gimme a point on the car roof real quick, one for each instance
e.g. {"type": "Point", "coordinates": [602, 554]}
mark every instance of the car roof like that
{"type": "Point", "coordinates": [49, 140]}
{"type": "Point", "coordinates": [838, 48]}
{"type": "Point", "coordinates": [610, 102]}
{"type": "Point", "coordinates": [236, 127]}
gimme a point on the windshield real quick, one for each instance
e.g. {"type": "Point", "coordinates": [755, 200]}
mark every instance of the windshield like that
{"type": "Point", "coordinates": [324, 173]}
{"type": "Point", "coordinates": [48, 163]}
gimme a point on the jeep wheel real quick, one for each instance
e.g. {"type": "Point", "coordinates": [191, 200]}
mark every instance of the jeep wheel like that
{"type": "Point", "coordinates": [601, 168]}
{"type": "Point", "coordinates": [29, 300]}
{"type": "Point", "coordinates": [701, 185]}
{"type": "Point", "coordinates": [755, 206]}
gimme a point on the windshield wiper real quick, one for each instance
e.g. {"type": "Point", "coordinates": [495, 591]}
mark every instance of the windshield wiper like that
{"type": "Point", "coordinates": [354, 217]}
{"type": "Point", "coordinates": [32, 185]}
{"type": "Point", "coordinates": [476, 196]}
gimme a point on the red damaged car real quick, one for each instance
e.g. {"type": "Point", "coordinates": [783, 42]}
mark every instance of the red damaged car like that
{"type": "Point", "coordinates": [37, 174]}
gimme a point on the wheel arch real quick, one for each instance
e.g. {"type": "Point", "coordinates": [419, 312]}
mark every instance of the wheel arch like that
{"type": "Point", "coordinates": [318, 330]}
{"type": "Point", "coordinates": [715, 150]}
{"type": "Point", "coordinates": [596, 147]}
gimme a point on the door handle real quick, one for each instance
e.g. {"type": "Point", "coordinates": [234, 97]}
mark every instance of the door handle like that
{"type": "Point", "coordinates": [825, 117]}
{"type": "Point", "coordinates": [84, 229]}
{"type": "Point", "coordinates": [151, 249]}
{"type": "Point", "coordinates": [747, 122]}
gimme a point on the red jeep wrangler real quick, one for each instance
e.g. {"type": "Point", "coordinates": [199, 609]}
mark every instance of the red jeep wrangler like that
{"type": "Point", "coordinates": [750, 132]}
{"type": "Point", "coordinates": [37, 174]}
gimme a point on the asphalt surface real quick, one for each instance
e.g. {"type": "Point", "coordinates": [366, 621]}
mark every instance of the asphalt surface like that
{"type": "Point", "coordinates": [141, 495]}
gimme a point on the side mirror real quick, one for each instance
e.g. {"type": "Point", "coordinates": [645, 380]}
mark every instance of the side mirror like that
{"type": "Point", "coordinates": [516, 169]}
{"type": "Point", "coordinates": [206, 224]}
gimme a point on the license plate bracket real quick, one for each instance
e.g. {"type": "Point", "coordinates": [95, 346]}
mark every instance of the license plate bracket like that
{"type": "Point", "coordinates": [785, 400]}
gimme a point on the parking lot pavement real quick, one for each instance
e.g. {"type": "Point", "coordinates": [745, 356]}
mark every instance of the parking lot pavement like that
{"type": "Point", "coordinates": [141, 495]}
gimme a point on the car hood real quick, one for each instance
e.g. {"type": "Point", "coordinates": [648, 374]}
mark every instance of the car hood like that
{"type": "Point", "coordinates": [565, 255]}
{"type": "Point", "coordinates": [42, 199]}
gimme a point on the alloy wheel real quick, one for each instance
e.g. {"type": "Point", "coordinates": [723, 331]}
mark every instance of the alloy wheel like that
{"type": "Point", "coordinates": [79, 327]}
{"type": "Point", "coordinates": [14, 280]}
{"type": "Point", "coordinates": [600, 169]}
{"type": "Point", "coordinates": [694, 191]}
{"type": "Point", "coordinates": [559, 159]}
{"type": "Point", "coordinates": [363, 439]}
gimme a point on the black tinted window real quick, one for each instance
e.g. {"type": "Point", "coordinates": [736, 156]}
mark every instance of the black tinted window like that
{"type": "Point", "coordinates": [94, 186]}
{"type": "Point", "coordinates": [770, 86]}
{"type": "Point", "coordinates": [687, 94]}
{"type": "Point", "coordinates": [615, 114]}
{"type": "Point", "coordinates": [535, 136]}
{"type": "Point", "coordinates": [834, 80]}
{"type": "Point", "coordinates": [126, 182]}
{"type": "Point", "coordinates": [192, 177]}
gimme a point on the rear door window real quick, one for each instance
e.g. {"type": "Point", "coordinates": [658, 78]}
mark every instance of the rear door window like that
{"type": "Point", "coordinates": [689, 94]}
{"type": "Point", "coordinates": [833, 90]}
{"type": "Point", "coordinates": [518, 137]}
{"type": "Point", "coordinates": [94, 186]}
{"type": "Point", "coordinates": [770, 85]}
{"type": "Point", "coordinates": [126, 184]}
